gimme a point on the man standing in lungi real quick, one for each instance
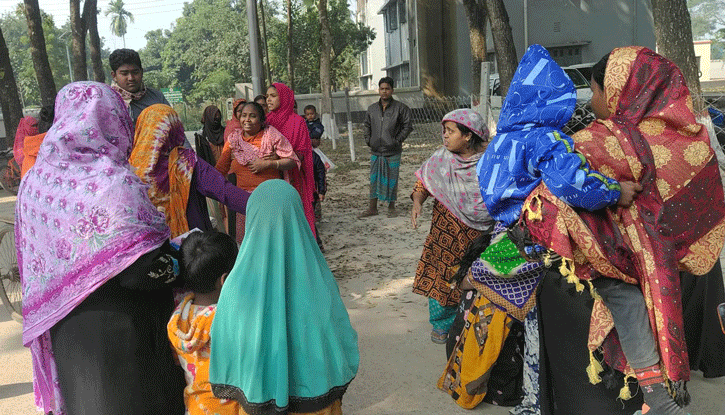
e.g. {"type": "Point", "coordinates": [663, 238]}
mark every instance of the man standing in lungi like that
{"type": "Point", "coordinates": [387, 124]}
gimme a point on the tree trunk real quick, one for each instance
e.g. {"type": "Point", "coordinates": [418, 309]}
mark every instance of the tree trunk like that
{"type": "Point", "coordinates": [673, 34]}
{"type": "Point", "coordinates": [260, 50]}
{"type": "Point", "coordinates": [9, 98]}
{"type": "Point", "coordinates": [266, 44]}
{"type": "Point", "coordinates": [325, 62]}
{"type": "Point", "coordinates": [90, 17]}
{"type": "Point", "coordinates": [476, 12]}
{"type": "Point", "coordinates": [78, 29]}
{"type": "Point", "coordinates": [290, 55]}
{"type": "Point", "coordinates": [503, 42]}
{"type": "Point", "coordinates": [43, 73]}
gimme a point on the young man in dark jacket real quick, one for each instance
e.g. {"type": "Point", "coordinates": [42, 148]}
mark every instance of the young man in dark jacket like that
{"type": "Point", "coordinates": [387, 124]}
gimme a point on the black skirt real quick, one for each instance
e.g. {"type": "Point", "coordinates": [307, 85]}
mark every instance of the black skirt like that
{"type": "Point", "coordinates": [113, 355]}
{"type": "Point", "coordinates": [564, 316]}
{"type": "Point", "coordinates": [705, 339]}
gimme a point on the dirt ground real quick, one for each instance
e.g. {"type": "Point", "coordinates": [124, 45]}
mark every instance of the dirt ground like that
{"type": "Point", "coordinates": [374, 261]}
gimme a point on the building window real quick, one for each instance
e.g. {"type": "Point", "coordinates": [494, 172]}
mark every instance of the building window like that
{"type": "Point", "coordinates": [566, 55]}
{"type": "Point", "coordinates": [402, 13]}
{"type": "Point", "coordinates": [391, 17]}
{"type": "Point", "coordinates": [364, 63]}
{"type": "Point", "coordinates": [400, 75]}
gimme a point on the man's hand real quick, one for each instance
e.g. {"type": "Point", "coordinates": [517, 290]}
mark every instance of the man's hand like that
{"type": "Point", "coordinates": [629, 192]}
{"type": "Point", "coordinates": [322, 197]}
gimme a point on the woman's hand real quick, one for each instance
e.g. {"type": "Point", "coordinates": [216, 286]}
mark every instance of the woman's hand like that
{"type": "Point", "coordinates": [418, 199]}
{"type": "Point", "coordinates": [415, 213]}
{"type": "Point", "coordinates": [259, 165]}
{"type": "Point", "coordinates": [629, 192]}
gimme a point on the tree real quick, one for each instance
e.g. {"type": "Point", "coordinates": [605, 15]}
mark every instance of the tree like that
{"type": "Point", "coordinates": [267, 68]}
{"type": "Point", "coordinates": [290, 48]}
{"type": "Point", "coordinates": [10, 101]}
{"type": "Point", "coordinates": [477, 19]}
{"type": "Point", "coordinates": [90, 17]}
{"type": "Point", "coordinates": [43, 71]}
{"type": "Point", "coordinates": [673, 33]}
{"type": "Point", "coordinates": [78, 29]}
{"type": "Point", "coordinates": [707, 19]}
{"type": "Point", "coordinates": [503, 42]}
{"type": "Point", "coordinates": [119, 19]}
{"type": "Point", "coordinates": [325, 61]}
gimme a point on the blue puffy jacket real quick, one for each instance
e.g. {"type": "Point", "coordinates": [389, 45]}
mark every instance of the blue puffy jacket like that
{"type": "Point", "coordinates": [529, 146]}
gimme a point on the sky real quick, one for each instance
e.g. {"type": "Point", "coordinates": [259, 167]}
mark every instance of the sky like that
{"type": "Point", "coordinates": [148, 15]}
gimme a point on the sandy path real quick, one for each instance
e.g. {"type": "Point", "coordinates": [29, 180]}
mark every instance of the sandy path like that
{"type": "Point", "coordinates": [374, 261]}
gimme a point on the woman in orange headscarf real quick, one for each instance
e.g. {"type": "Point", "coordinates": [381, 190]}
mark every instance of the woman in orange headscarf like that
{"type": "Point", "coordinates": [178, 180]}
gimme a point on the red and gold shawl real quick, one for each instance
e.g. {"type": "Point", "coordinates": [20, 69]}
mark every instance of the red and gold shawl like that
{"type": "Point", "coordinates": [161, 161]}
{"type": "Point", "coordinates": [676, 223]}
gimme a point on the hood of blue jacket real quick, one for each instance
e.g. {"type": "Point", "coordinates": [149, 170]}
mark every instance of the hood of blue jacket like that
{"type": "Point", "coordinates": [541, 94]}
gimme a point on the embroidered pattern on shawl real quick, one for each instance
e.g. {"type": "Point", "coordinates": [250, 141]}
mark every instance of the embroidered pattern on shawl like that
{"type": "Point", "coordinates": [452, 180]}
{"type": "Point", "coordinates": [678, 221]}
{"type": "Point", "coordinates": [294, 129]}
{"type": "Point", "coordinates": [272, 142]}
{"type": "Point", "coordinates": [81, 218]}
{"type": "Point", "coordinates": [164, 164]}
{"type": "Point", "coordinates": [512, 292]}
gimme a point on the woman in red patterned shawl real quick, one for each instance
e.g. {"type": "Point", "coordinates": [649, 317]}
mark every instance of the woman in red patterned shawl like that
{"type": "Point", "coordinates": [646, 132]}
{"type": "Point", "coordinates": [280, 103]}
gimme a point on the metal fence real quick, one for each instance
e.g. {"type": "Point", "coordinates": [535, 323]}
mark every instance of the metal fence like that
{"type": "Point", "coordinates": [428, 112]}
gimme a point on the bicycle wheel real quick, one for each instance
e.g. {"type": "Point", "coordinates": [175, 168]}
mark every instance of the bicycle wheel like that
{"type": "Point", "coordinates": [8, 181]}
{"type": "Point", "coordinates": [11, 292]}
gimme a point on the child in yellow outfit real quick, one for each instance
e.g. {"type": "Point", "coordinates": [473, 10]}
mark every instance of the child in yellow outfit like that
{"type": "Point", "coordinates": [207, 258]}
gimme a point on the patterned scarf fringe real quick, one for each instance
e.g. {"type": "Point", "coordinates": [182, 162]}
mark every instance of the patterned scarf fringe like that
{"type": "Point", "coordinates": [567, 269]}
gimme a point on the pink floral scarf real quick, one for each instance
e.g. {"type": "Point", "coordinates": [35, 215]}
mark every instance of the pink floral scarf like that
{"type": "Point", "coordinates": [81, 216]}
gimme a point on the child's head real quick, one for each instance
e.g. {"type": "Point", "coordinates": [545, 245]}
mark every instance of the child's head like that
{"type": "Point", "coordinates": [207, 258]}
{"type": "Point", "coordinates": [315, 142]}
{"type": "Point", "coordinates": [310, 113]}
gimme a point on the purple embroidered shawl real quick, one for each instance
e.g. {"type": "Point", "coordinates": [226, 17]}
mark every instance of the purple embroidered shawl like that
{"type": "Point", "coordinates": [81, 216]}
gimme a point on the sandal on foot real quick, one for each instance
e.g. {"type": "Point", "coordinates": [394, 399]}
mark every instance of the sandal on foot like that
{"type": "Point", "coordinates": [439, 336]}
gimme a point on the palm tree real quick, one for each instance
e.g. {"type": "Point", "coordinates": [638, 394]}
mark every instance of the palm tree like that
{"type": "Point", "coordinates": [118, 21]}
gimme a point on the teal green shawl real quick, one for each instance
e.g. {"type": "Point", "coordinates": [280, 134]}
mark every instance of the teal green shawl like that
{"type": "Point", "coordinates": [281, 338]}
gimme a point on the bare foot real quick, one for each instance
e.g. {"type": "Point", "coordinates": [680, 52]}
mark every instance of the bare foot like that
{"type": "Point", "coordinates": [392, 213]}
{"type": "Point", "coordinates": [367, 214]}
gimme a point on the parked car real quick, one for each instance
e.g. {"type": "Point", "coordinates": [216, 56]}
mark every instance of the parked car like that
{"type": "Point", "coordinates": [581, 83]}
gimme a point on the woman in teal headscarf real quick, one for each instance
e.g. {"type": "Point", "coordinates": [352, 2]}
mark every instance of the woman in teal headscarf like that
{"type": "Point", "coordinates": [282, 342]}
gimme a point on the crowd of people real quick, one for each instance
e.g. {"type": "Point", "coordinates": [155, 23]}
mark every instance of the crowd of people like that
{"type": "Point", "coordinates": [561, 272]}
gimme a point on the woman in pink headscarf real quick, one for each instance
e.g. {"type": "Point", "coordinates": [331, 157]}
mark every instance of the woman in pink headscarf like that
{"type": "Point", "coordinates": [280, 102]}
{"type": "Point", "coordinates": [26, 127]}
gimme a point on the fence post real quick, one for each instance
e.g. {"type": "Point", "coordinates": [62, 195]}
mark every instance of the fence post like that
{"type": "Point", "coordinates": [333, 123]}
{"type": "Point", "coordinates": [485, 89]}
{"type": "Point", "coordinates": [349, 125]}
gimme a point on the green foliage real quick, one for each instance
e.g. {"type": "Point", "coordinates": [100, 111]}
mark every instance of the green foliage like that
{"type": "Point", "coordinates": [708, 22]}
{"type": "Point", "coordinates": [204, 54]}
{"type": "Point", "coordinates": [119, 17]}
{"type": "Point", "coordinates": [15, 29]}
{"type": "Point", "coordinates": [207, 51]}
{"type": "Point", "coordinates": [349, 40]}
